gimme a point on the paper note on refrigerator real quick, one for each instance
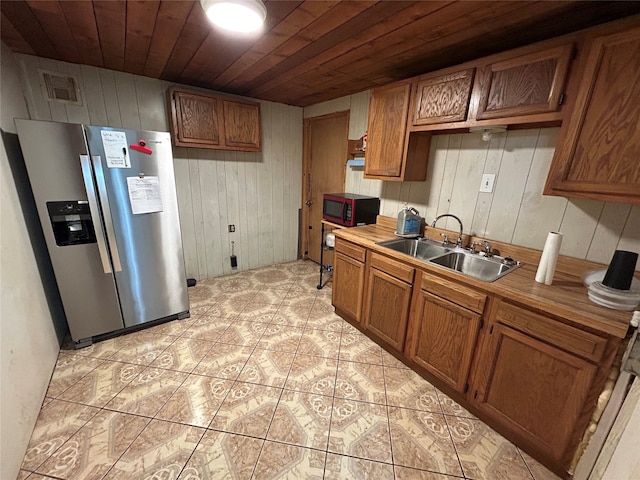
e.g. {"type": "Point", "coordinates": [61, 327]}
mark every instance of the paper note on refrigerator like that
{"type": "Point", "coordinates": [115, 149]}
{"type": "Point", "coordinates": [144, 194]}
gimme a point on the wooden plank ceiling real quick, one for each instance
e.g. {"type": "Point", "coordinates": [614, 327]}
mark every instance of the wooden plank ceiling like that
{"type": "Point", "coordinates": [309, 52]}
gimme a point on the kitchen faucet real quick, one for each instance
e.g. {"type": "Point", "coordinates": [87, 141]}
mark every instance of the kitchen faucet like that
{"type": "Point", "coordinates": [459, 241]}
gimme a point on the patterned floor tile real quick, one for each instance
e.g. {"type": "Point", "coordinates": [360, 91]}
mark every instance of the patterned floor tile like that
{"type": "Point", "coordinates": [247, 410]}
{"type": "Point", "coordinates": [360, 430]}
{"type": "Point", "coordinates": [103, 349]}
{"type": "Point", "coordinates": [196, 401]}
{"type": "Point", "coordinates": [312, 375]}
{"type": "Point", "coordinates": [234, 283]}
{"type": "Point", "coordinates": [340, 467]}
{"type": "Point", "coordinates": [266, 295]}
{"type": "Point", "coordinates": [450, 407]}
{"type": "Point", "coordinates": [267, 367]}
{"type": "Point", "coordinates": [199, 295]}
{"type": "Point", "coordinates": [103, 383]}
{"type": "Point", "coordinates": [407, 389]}
{"type": "Point", "coordinates": [222, 456]}
{"type": "Point", "coordinates": [289, 462]}
{"type": "Point", "coordinates": [406, 473]}
{"type": "Point", "coordinates": [224, 360]}
{"type": "Point", "coordinates": [422, 440]}
{"type": "Point", "coordinates": [95, 448]}
{"type": "Point", "coordinates": [23, 474]}
{"type": "Point", "coordinates": [230, 307]}
{"type": "Point", "coordinates": [56, 423]}
{"type": "Point", "coordinates": [195, 312]}
{"type": "Point", "coordinates": [247, 334]}
{"type": "Point", "coordinates": [389, 360]}
{"type": "Point", "coordinates": [302, 419]}
{"type": "Point", "coordinates": [148, 392]}
{"type": "Point", "coordinates": [160, 451]}
{"type": "Point", "coordinates": [175, 328]}
{"type": "Point", "coordinates": [360, 381]}
{"type": "Point", "coordinates": [298, 292]}
{"type": "Point", "coordinates": [363, 352]}
{"type": "Point", "coordinates": [284, 338]}
{"type": "Point", "coordinates": [294, 314]}
{"type": "Point", "coordinates": [258, 312]}
{"type": "Point", "coordinates": [69, 370]}
{"type": "Point", "coordinates": [37, 476]}
{"type": "Point", "coordinates": [273, 277]}
{"type": "Point", "coordinates": [207, 328]}
{"type": "Point", "coordinates": [484, 454]}
{"type": "Point", "coordinates": [538, 471]}
{"type": "Point", "coordinates": [183, 355]}
{"type": "Point", "coordinates": [142, 348]}
{"type": "Point", "coordinates": [321, 343]}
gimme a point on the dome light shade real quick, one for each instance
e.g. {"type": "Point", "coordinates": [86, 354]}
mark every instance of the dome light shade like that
{"type": "Point", "coordinates": [236, 15]}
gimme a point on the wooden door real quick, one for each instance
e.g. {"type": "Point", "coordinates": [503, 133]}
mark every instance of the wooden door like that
{"type": "Point", "coordinates": [523, 85]}
{"type": "Point", "coordinates": [534, 387]}
{"type": "Point", "coordinates": [325, 158]}
{"type": "Point", "coordinates": [386, 311]}
{"type": "Point", "coordinates": [348, 286]}
{"type": "Point", "coordinates": [443, 98]}
{"type": "Point", "coordinates": [597, 152]}
{"type": "Point", "coordinates": [445, 339]}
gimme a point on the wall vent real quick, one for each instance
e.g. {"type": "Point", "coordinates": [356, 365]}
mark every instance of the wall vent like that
{"type": "Point", "coordinates": [60, 87]}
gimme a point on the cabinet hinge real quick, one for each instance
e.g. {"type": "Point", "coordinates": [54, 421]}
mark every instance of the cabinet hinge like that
{"type": "Point", "coordinates": [491, 330]}
{"type": "Point", "coordinates": [475, 394]}
{"type": "Point", "coordinates": [310, 227]}
{"type": "Point", "coordinates": [466, 387]}
{"type": "Point", "coordinates": [561, 99]}
{"type": "Point", "coordinates": [306, 252]}
{"type": "Point", "coordinates": [481, 324]}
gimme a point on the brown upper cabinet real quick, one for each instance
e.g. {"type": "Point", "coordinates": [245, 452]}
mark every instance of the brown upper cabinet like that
{"type": "Point", "coordinates": [442, 98]}
{"type": "Point", "coordinates": [204, 120]}
{"type": "Point", "coordinates": [598, 145]}
{"type": "Point", "coordinates": [390, 154]}
{"type": "Point", "coordinates": [523, 85]}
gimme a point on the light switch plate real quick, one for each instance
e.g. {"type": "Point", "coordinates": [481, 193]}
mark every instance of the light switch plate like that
{"type": "Point", "coordinates": [487, 182]}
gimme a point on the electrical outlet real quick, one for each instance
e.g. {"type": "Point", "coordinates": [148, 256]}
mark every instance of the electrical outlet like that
{"type": "Point", "coordinates": [232, 228]}
{"type": "Point", "coordinates": [487, 182]}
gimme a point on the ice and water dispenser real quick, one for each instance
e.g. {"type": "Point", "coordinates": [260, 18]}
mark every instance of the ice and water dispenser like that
{"type": "Point", "coordinates": [71, 222]}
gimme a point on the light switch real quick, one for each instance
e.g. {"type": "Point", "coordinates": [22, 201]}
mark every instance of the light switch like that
{"type": "Point", "coordinates": [487, 182]}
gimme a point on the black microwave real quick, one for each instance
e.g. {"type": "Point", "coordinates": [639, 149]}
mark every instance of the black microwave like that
{"type": "Point", "coordinates": [350, 209]}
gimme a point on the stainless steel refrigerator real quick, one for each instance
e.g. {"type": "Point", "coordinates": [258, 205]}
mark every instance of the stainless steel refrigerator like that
{"type": "Point", "coordinates": [107, 203]}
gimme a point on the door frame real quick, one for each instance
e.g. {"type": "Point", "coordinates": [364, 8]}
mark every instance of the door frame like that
{"type": "Point", "coordinates": [306, 172]}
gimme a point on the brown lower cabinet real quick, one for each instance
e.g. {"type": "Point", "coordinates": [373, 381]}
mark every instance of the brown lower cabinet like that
{"type": "Point", "coordinates": [532, 376]}
{"type": "Point", "coordinates": [387, 300]}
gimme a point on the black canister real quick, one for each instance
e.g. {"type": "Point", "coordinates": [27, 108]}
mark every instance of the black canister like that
{"type": "Point", "coordinates": [621, 269]}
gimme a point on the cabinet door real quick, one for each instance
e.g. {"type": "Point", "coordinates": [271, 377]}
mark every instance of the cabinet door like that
{"type": "Point", "coordinates": [535, 388]}
{"type": "Point", "coordinates": [523, 85]}
{"type": "Point", "coordinates": [388, 110]}
{"type": "Point", "coordinates": [241, 125]}
{"type": "Point", "coordinates": [445, 339]}
{"type": "Point", "coordinates": [196, 120]}
{"type": "Point", "coordinates": [443, 98]}
{"type": "Point", "coordinates": [597, 152]}
{"type": "Point", "coordinates": [348, 286]}
{"type": "Point", "coordinates": [387, 307]}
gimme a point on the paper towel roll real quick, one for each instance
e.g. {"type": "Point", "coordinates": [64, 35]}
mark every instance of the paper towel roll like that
{"type": "Point", "coordinates": [549, 258]}
{"type": "Point", "coordinates": [330, 240]}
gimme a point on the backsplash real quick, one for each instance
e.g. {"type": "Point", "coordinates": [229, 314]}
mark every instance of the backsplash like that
{"type": "Point", "coordinates": [516, 211]}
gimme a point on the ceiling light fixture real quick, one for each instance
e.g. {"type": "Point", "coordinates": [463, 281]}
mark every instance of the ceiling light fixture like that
{"type": "Point", "coordinates": [236, 15]}
{"type": "Point", "coordinates": [487, 132]}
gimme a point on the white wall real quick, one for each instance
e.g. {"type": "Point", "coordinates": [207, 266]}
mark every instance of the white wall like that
{"type": "Point", "coordinates": [259, 193]}
{"type": "Point", "coordinates": [516, 211]}
{"type": "Point", "coordinates": [28, 342]}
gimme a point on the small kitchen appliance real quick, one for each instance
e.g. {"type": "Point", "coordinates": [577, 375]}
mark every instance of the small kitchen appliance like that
{"type": "Point", "coordinates": [409, 221]}
{"type": "Point", "coordinates": [350, 209]}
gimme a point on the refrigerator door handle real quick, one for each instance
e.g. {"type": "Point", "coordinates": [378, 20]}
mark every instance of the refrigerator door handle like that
{"type": "Point", "coordinates": [95, 212]}
{"type": "Point", "coordinates": [106, 210]}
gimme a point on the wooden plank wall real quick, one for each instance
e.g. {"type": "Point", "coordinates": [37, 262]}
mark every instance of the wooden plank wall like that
{"type": "Point", "coordinates": [260, 193]}
{"type": "Point", "coordinates": [516, 212]}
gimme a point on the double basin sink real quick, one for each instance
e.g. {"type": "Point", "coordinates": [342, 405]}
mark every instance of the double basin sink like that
{"type": "Point", "coordinates": [487, 269]}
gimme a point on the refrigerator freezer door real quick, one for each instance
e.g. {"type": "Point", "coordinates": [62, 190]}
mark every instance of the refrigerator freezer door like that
{"type": "Point", "coordinates": [52, 156]}
{"type": "Point", "coordinates": [146, 228]}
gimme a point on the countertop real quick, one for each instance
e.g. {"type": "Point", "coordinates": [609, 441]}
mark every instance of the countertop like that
{"type": "Point", "coordinates": [565, 298]}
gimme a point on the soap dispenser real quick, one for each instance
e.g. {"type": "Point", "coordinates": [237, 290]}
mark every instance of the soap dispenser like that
{"type": "Point", "coordinates": [408, 223]}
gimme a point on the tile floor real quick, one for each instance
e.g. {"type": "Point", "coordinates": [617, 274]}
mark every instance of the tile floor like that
{"type": "Point", "coordinates": [264, 381]}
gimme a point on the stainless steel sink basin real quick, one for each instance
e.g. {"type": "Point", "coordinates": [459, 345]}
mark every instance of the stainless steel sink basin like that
{"type": "Point", "coordinates": [422, 248]}
{"type": "Point", "coordinates": [486, 269]}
